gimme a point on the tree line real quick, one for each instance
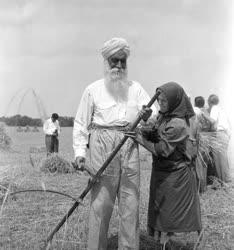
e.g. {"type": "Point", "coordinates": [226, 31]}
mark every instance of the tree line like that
{"type": "Point", "coordinates": [23, 121]}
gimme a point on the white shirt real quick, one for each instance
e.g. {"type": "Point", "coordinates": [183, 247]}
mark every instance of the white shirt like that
{"type": "Point", "coordinates": [99, 107]}
{"type": "Point", "coordinates": [220, 118]}
{"type": "Point", "coordinates": [49, 127]}
{"type": "Point", "coordinates": [197, 111]}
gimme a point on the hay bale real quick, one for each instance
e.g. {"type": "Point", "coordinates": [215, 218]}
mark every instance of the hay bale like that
{"type": "Point", "coordinates": [56, 164]}
{"type": "Point", "coordinates": [5, 140]}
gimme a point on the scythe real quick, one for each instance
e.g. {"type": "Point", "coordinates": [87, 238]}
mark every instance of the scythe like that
{"type": "Point", "coordinates": [96, 177]}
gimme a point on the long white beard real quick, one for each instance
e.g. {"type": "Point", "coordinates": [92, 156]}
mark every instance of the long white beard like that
{"type": "Point", "coordinates": [116, 82]}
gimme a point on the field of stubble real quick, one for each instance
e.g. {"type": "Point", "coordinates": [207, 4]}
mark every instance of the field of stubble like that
{"type": "Point", "coordinates": [27, 218]}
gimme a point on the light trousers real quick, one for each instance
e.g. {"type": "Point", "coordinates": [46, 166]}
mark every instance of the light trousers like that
{"type": "Point", "coordinates": [121, 179]}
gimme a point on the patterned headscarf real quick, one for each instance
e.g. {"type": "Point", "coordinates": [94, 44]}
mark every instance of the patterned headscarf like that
{"type": "Point", "coordinates": [178, 102]}
{"type": "Point", "coordinates": [114, 45]}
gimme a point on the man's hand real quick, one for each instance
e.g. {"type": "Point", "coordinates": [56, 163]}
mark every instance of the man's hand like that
{"type": "Point", "coordinates": [145, 113]}
{"type": "Point", "coordinates": [80, 162]}
{"type": "Point", "coordinates": [81, 166]}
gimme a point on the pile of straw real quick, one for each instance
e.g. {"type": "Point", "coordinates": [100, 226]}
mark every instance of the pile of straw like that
{"type": "Point", "coordinates": [210, 144]}
{"type": "Point", "coordinates": [56, 164]}
{"type": "Point", "coordinates": [5, 140]}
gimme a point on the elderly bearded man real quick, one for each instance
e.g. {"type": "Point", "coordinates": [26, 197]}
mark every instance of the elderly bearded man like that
{"type": "Point", "coordinates": [106, 109]}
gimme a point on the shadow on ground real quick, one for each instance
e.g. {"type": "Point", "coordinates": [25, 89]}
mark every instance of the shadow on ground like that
{"type": "Point", "coordinates": [149, 243]}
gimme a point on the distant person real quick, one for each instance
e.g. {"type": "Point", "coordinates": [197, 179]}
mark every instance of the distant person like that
{"type": "Point", "coordinates": [106, 110]}
{"type": "Point", "coordinates": [202, 115]}
{"type": "Point", "coordinates": [199, 104]}
{"type": "Point", "coordinates": [200, 125]}
{"type": "Point", "coordinates": [52, 129]}
{"type": "Point", "coordinates": [222, 126]}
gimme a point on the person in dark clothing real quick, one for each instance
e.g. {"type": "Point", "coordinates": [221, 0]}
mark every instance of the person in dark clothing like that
{"type": "Point", "coordinates": [174, 202]}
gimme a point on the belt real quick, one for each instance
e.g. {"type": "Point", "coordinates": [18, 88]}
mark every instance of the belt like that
{"type": "Point", "coordinates": [118, 128]}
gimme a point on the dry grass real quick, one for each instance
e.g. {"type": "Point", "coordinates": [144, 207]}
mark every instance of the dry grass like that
{"type": "Point", "coordinates": [210, 143]}
{"type": "Point", "coordinates": [5, 140]}
{"type": "Point", "coordinates": [56, 164]}
{"type": "Point", "coordinates": [26, 220]}
{"type": "Point", "coordinates": [218, 216]}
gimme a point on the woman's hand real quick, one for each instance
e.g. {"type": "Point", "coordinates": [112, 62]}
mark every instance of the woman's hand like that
{"type": "Point", "coordinates": [145, 113]}
{"type": "Point", "coordinates": [150, 134]}
{"type": "Point", "coordinates": [139, 138]}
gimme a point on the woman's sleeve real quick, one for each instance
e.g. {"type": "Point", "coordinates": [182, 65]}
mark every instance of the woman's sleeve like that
{"type": "Point", "coordinates": [175, 132]}
{"type": "Point", "coordinates": [145, 143]}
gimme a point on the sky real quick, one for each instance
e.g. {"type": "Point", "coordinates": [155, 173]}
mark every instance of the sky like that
{"type": "Point", "coordinates": [50, 49]}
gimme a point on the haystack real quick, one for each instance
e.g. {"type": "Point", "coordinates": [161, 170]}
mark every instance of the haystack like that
{"type": "Point", "coordinates": [209, 146]}
{"type": "Point", "coordinates": [5, 140]}
{"type": "Point", "coordinates": [56, 164]}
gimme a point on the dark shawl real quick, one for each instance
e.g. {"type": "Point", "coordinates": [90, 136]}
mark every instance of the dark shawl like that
{"type": "Point", "coordinates": [179, 107]}
{"type": "Point", "coordinates": [179, 103]}
{"type": "Point", "coordinates": [174, 203]}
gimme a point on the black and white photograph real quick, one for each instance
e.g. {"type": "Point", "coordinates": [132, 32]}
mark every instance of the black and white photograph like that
{"type": "Point", "coordinates": [116, 124]}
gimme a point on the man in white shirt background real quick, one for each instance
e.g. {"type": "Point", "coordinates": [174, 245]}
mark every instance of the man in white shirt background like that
{"type": "Point", "coordinates": [52, 129]}
{"type": "Point", "coordinates": [106, 109]}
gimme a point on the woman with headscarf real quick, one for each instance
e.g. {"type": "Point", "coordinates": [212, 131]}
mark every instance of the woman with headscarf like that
{"type": "Point", "coordinates": [173, 203]}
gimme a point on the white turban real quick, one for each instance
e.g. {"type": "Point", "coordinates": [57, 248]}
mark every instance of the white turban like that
{"type": "Point", "coordinates": [114, 45]}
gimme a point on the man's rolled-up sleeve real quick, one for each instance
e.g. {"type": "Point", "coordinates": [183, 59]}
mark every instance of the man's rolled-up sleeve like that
{"type": "Point", "coordinates": [81, 123]}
